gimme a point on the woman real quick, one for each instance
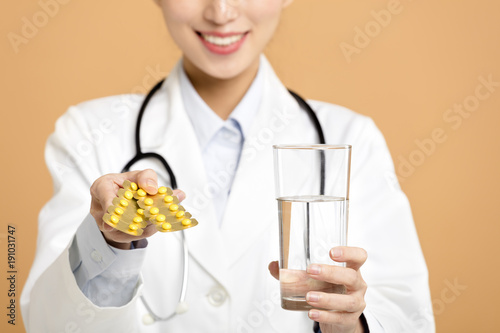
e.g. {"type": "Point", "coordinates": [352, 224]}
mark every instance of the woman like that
{"type": "Point", "coordinates": [215, 119]}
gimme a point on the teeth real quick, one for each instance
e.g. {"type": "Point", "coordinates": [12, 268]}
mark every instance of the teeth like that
{"type": "Point", "coordinates": [222, 41]}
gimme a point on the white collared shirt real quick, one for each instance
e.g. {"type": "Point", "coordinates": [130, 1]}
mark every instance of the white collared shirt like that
{"type": "Point", "coordinates": [221, 141]}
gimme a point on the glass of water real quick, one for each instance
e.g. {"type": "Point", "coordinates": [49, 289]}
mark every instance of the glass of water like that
{"type": "Point", "coordinates": [312, 189]}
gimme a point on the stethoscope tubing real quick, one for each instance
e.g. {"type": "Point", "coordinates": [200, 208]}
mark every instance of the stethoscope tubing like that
{"type": "Point", "coordinates": [139, 155]}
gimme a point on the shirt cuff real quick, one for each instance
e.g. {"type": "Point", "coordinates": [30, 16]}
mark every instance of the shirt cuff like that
{"type": "Point", "coordinates": [90, 255]}
{"type": "Point", "coordinates": [367, 327]}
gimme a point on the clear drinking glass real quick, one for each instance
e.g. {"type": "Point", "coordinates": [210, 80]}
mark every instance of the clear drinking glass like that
{"type": "Point", "coordinates": [312, 189]}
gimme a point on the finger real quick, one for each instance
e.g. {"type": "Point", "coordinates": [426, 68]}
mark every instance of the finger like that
{"type": "Point", "coordinates": [274, 269]}
{"type": "Point", "coordinates": [336, 318]}
{"type": "Point", "coordinates": [336, 275]}
{"type": "Point", "coordinates": [354, 257]}
{"type": "Point", "coordinates": [103, 191]}
{"type": "Point", "coordinates": [141, 177]}
{"type": "Point", "coordinates": [338, 302]}
{"type": "Point", "coordinates": [147, 180]}
{"type": "Point", "coordinates": [105, 186]}
{"type": "Point", "coordinates": [179, 194]}
{"type": "Point", "coordinates": [103, 226]}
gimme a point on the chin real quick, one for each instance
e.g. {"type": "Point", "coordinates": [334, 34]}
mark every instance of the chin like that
{"type": "Point", "coordinates": [224, 69]}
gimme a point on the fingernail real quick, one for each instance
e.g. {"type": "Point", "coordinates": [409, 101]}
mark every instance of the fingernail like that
{"type": "Point", "coordinates": [313, 314]}
{"type": "Point", "coordinates": [181, 195]}
{"type": "Point", "coordinates": [312, 297]}
{"type": "Point", "coordinates": [336, 252]}
{"type": "Point", "coordinates": [314, 269]}
{"type": "Point", "coordinates": [151, 183]}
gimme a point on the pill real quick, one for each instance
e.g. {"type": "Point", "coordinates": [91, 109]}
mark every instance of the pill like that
{"type": "Point", "coordinates": [123, 203]}
{"type": "Point", "coordinates": [140, 211]}
{"type": "Point", "coordinates": [148, 201]}
{"type": "Point", "coordinates": [186, 222]}
{"type": "Point", "coordinates": [137, 219]}
{"type": "Point", "coordinates": [160, 218]}
{"type": "Point", "coordinates": [166, 226]}
{"type": "Point", "coordinates": [118, 211]}
{"type": "Point", "coordinates": [173, 207]}
{"type": "Point", "coordinates": [141, 192]}
{"type": "Point", "coordinates": [168, 198]}
{"type": "Point", "coordinates": [133, 227]}
{"type": "Point", "coordinates": [154, 211]}
{"type": "Point", "coordinates": [179, 214]}
{"type": "Point", "coordinates": [114, 219]}
{"type": "Point", "coordinates": [133, 186]}
{"type": "Point", "coordinates": [129, 195]}
{"type": "Point", "coordinates": [162, 190]}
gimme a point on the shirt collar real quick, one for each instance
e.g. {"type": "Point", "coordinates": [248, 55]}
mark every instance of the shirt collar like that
{"type": "Point", "coordinates": [206, 122]}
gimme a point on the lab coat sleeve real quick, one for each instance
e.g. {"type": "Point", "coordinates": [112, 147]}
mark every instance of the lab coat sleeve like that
{"type": "Point", "coordinates": [381, 222]}
{"type": "Point", "coordinates": [106, 275]}
{"type": "Point", "coordinates": [51, 300]}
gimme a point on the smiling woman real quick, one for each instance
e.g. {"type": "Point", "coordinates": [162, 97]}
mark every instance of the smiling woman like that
{"type": "Point", "coordinates": [224, 27]}
{"type": "Point", "coordinates": [221, 101]}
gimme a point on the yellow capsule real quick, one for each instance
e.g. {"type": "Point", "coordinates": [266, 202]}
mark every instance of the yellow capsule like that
{"type": "Point", "coordinates": [173, 207]}
{"type": "Point", "coordinates": [186, 222]}
{"type": "Point", "coordinates": [168, 199]}
{"type": "Point", "coordinates": [137, 219]}
{"type": "Point", "coordinates": [148, 201]}
{"type": "Point", "coordinates": [140, 211]}
{"type": "Point", "coordinates": [154, 211]}
{"type": "Point", "coordinates": [133, 227]}
{"type": "Point", "coordinates": [162, 190]}
{"type": "Point", "coordinates": [118, 211]}
{"type": "Point", "coordinates": [114, 219]}
{"type": "Point", "coordinates": [160, 218]}
{"type": "Point", "coordinates": [133, 186]}
{"type": "Point", "coordinates": [166, 226]}
{"type": "Point", "coordinates": [141, 192]}
{"type": "Point", "coordinates": [129, 195]}
{"type": "Point", "coordinates": [179, 214]}
{"type": "Point", "coordinates": [123, 203]}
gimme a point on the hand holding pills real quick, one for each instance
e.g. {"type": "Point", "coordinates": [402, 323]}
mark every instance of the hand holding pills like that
{"type": "Point", "coordinates": [129, 206]}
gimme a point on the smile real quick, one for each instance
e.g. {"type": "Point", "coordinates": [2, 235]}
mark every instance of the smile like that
{"type": "Point", "coordinates": [222, 43]}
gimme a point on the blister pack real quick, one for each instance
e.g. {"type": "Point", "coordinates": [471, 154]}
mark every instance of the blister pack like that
{"type": "Point", "coordinates": [134, 208]}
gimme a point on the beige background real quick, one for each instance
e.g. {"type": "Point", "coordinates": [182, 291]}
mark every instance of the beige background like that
{"type": "Point", "coordinates": [426, 59]}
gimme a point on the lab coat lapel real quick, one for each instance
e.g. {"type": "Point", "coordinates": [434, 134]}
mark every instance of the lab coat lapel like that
{"type": "Point", "coordinates": [181, 150]}
{"type": "Point", "coordinates": [252, 208]}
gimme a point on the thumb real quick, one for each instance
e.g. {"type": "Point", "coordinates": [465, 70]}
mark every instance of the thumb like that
{"type": "Point", "coordinates": [274, 269]}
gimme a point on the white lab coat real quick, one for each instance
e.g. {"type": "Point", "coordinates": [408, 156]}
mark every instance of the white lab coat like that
{"type": "Point", "coordinates": [229, 286]}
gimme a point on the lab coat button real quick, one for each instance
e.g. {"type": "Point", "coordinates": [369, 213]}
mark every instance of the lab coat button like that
{"type": "Point", "coordinates": [96, 256]}
{"type": "Point", "coordinates": [217, 296]}
{"type": "Point", "coordinates": [148, 319]}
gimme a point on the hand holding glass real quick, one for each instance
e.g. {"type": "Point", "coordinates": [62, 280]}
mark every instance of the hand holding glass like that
{"type": "Point", "coordinates": [312, 189]}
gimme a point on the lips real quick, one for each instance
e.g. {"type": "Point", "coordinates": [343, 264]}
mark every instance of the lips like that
{"type": "Point", "coordinates": [222, 43]}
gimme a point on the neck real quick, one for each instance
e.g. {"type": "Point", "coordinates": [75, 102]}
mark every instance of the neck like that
{"type": "Point", "coordinates": [221, 95]}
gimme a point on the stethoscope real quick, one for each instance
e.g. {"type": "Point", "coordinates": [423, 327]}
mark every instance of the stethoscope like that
{"type": "Point", "coordinates": [182, 305]}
